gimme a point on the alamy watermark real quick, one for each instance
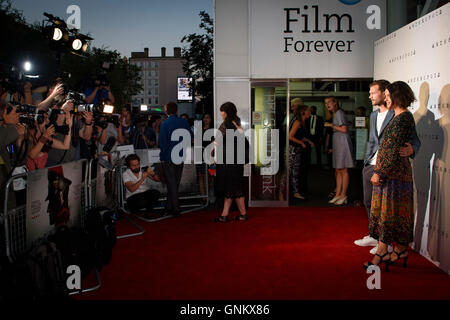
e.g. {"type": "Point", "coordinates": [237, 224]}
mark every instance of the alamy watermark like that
{"type": "Point", "coordinates": [250, 146]}
{"type": "Point", "coordinates": [374, 281]}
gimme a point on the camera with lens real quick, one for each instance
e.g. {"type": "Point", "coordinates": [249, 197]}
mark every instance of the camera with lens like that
{"type": "Point", "coordinates": [27, 121]}
{"type": "Point", "coordinates": [79, 103]}
{"type": "Point", "coordinates": [102, 120]}
{"type": "Point", "coordinates": [11, 78]}
{"type": "Point", "coordinates": [144, 168]}
{"type": "Point", "coordinates": [23, 108]}
{"type": "Point", "coordinates": [40, 118]}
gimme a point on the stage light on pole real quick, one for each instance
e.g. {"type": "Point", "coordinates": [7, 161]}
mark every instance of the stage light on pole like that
{"type": "Point", "coordinates": [57, 34]}
{"type": "Point", "coordinates": [77, 44]}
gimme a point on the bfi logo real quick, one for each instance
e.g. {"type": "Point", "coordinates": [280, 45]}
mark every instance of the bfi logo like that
{"type": "Point", "coordinates": [74, 20]}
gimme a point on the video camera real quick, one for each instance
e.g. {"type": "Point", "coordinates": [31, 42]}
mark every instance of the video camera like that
{"type": "Point", "coordinates": [79, 103]}
{"type": "Point", "coordinates": [100, 78]}
{"type": "Point", "coordinates": [11, 78]}
{"type": "Point", "coordinates": [28, 115]}
{"type": "Point", "coordinates": [108, 118]}
{"type": "Point", "coordinates": [23, 108]}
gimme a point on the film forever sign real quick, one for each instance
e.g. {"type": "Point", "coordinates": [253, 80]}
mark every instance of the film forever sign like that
{"type": "Point", "coordinates": [314, 39]}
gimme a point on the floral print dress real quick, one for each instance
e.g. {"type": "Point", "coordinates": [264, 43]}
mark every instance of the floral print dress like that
{"type": "Point", "coordinates": [392, 208]}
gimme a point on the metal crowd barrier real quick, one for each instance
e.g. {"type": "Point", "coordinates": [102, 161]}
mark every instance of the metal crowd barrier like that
{"type": "Point", "coordinates": [192, 192]}
{"type": "Point", "coordinates": [115, 191]}
{"type": "Point", "coordinates": [14, 223]}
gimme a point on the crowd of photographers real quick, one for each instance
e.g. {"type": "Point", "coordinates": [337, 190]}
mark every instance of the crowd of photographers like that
{"type": "Point", "coordinates": [48, 126]}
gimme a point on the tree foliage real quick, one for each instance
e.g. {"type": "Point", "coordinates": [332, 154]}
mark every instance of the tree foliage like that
{"type": "Point", "coordinates": [198, 62]}
{"type": "Point", "coordinates": [123, 77]}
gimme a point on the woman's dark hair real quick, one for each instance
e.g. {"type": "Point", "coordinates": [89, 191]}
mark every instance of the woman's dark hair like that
{"type": "Point", "coordinates": [208, 114]}
{"type": "Point", "coordinates": [401, 94]}
{"type": "Point", "coordinates": [130, 158]}
{"type": "Point", "coordinates": [230, 109]}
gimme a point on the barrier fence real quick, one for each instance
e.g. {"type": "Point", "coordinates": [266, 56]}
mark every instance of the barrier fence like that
{"type": "Point", "coordinates": [95, 183]}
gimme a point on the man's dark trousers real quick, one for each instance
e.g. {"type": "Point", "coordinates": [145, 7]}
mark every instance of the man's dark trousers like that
{"type": "Point", "coordinates": [367, 186]}
{"type": "Point", "coordinates": [172, 176]}
{"type": "Point", "coordinates": [144, 200]}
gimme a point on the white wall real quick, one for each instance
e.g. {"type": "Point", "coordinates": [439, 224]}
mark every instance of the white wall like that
{"type": "Point", "coordinates": [419, 55]}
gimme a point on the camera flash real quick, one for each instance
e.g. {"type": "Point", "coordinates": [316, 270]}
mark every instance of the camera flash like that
{"type": "Point", "coordinates": [108, 108]}
{"type": "Point", "coordinates": [144, 107]}
{"type": "Point", "coordinates": [27, 66]}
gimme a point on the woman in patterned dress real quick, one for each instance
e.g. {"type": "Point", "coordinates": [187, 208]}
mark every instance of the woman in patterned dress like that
{"type": "Point", "coordinates": [392, 209]}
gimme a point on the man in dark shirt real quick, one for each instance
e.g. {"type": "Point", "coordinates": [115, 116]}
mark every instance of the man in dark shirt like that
{"type": "Point", "coordinates": [172, 164]}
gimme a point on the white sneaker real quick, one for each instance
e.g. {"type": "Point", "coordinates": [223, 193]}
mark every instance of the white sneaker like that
{"type": "Point", "coordinates": [367, 241]}
{"type": "Point", "coordinates": [374, 250]}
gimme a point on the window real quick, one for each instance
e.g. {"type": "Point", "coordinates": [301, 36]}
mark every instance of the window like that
{"type": "Point", "coordinates": [156, 91]}
{"type": "Point", "coordinates": [156, 82]}
{"type": "Point", "coordinates": [156, 100]}
{"type": "Point", "coordinates": [150, 92]}
{"type": "Point", "coordinates": [142, 100]}
{"type": "Point", "coordinates": [149, 100]}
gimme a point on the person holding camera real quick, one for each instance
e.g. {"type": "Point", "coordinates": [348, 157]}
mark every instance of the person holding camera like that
{"type": "Point", "coordinates": [57, 90]}
{"type": "Point", "coordinates": [100, 92]}
{"type": "Point", "coordinates": [61, 118]}
{"type": "Point", "coordinates": [42, 138]}
{"type": "Point", "coordinates": [139, 194]}
{"type": "Point", "coordinates": [108, 133]}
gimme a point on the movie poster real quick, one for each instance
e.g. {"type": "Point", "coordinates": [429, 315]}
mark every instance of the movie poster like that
{"type": "Point", "coordinates": [54, 197]}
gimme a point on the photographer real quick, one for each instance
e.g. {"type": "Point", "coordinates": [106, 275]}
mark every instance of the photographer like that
{"type": "Point", "coordinates": [83, 125]}
{"type": "Point", "coordinates": [99, 92]}
{"type": "Point", "coordinates": [139, 194]}
{"type": "Point", "coordinates": [125, 121]}
{"type": "Point", "coordinates": [61, 118]}
{"type": "Point", "coordinates": [108, 130]}
{"type": "Point", "coordinates": [57, 90]}
{"type": "Point", "coordinates": [42, 138]}
{"type": "Point", "coordinates": [8, 135]}
{"type": "Point", "coordinates": [140, 134]}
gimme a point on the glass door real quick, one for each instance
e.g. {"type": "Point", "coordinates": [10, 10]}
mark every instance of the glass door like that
{"type": "Point", "coordinates": [268, 176]}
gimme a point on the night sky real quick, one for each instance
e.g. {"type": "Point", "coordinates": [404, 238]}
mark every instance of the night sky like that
{"type": "Point", "coordinates": [127, 25]}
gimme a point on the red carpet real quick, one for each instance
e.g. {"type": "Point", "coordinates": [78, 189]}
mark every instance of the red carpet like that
{"type": "Point", "coordinates": [280, 253]}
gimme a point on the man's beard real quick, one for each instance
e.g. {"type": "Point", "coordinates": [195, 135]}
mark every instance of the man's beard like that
{"type": "Point", "coordinates": [136, 170]}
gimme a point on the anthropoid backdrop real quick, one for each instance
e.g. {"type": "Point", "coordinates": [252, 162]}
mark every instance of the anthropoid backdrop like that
{"type": "Point", "coordinates": [419, 54]}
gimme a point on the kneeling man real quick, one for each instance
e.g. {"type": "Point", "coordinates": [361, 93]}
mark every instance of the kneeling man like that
{"type": "Point", "coordinates": [139, 194]}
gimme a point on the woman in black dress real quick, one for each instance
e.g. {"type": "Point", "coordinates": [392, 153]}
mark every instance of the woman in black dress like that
{"type": "Point", "coordinates": [230, 174]}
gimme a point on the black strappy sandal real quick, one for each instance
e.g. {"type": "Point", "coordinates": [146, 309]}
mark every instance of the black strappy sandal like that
{"type": "Point", "coordinates": [386, 262]}
{"type": "Point", "coordinates": [241, 217]}
{"type": "Point", "coordinates": [222, 219]}
{"type": "Point", "coordinates": [405, 259]}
